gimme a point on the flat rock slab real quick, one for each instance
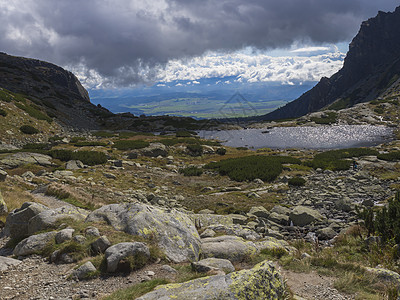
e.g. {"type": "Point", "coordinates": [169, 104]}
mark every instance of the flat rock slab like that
{"type": "Point", "coordinates": [175, 233]}
{"type": "Point", "coordinates": [23, 158]}
{"type": "Point", "coordinates": [6, 262]}
{"type": "Point", "coordinates": [208, 264]}
{"type": "Point", "coordinates": [262, 282]}
{"type": "Point", "coordinates": [34, 243]}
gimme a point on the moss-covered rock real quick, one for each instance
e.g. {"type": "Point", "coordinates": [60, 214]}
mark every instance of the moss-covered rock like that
{"type": "Point", "coordinates": [262, 282]}
{"type": "Point", "coordinates": [175, 233]}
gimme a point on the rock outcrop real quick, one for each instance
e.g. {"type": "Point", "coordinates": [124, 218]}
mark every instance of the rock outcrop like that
{"type": "Point", "coordinates": [175, 233]}
{"type": "Point", "coordinates": [262, 282]}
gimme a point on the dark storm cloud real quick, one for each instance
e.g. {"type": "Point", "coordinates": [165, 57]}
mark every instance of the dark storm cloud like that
{"type": "Point", "coordinates": [123, 40]}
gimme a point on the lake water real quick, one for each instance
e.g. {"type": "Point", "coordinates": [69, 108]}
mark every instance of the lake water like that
{"type": "Point", "coordinates": [321, 137]}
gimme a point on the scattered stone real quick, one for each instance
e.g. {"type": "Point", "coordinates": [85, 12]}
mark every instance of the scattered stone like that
{"type": "Point", "coordinates": [23, 158]}
{"type": "Point", "coordinates": [207, 233]}
{"type": "Point", "coordinates": [3, 175]}
{"type": "Point", "coordinates": [258, 181]}
{"type": "Point", "coordinates": [64, 235]}
{"type": "Point", "coordinates": [6, 262]}
{"type": "Point", "coordinates": [83, 271]}
{"type": "Point", "coordinates": [74, 165]}
{"type": "Point", "coordinates": [100, 245]}
{"type": "Point", "coordinates": [132, 155]}
{"type": "Point", "coordinates": [262, 282]}
{"type": "Point", "coordinates": [302, 215]}
{"type": "Point", "coordinates": [326, 233]}
{"type": "Point", "coordinates": [259, 211]}
{"type": "Point", "coordinates": [92, 231]}
{"type": "Point", "coordinates": [206, 211]}
{"type": "Point", "coordinates": [116, 253]}
{"type": "Point", "coordinates": [34, 243]}
{"type": "Point", "coordinates": [79, 239]}
{"type": "Point", "coordinates": [154, 150]}
{"type": "Point", "coordinates": [169, 269]}
{"type": "Point", "coordinates": [208, 264]}
{"type": "Point", "coordinates": [109, 175]}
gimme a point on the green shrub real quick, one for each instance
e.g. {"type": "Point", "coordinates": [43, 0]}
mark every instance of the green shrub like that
{"type": "Point", "coordinates": [90, 158]}
{"type": "Point", "coordinates": [297, 181]}
{"type": "Point", "coordinates": [38, 146]}
{"type": "Point", "coordinates": [391, 156]}
{"type": "Point", "coordinates": [191, 171]}
{"type": "Point", "coordinates": [248, 168]}
{"type": "Point", "coordinates": [334, 159]}
{"type": "Point", "coordinates": [77, 139]}
{"type": "Point", "coordinates": [130, 144]}
{"type": "Point", "coordinates": [221, 151]}
{"type": "Point", "coordinates": [128, 134]}
{"type": "Point", "coordinates": [183, 133]}
{"type": "Point", "coordinates": [328, 118]}
{"type": "Point", "coordinates": [28, 129]}
{"type": "Point", "coordinates": [103, 134]}
{"type": "Point", "coordinates": [195, 149]}
{"type": "Point", "coordinates": [92, 144]}
{"type": "Point", "coordinates": [3, 112]}
{"type": "Point", "coordinates": [242, 148]}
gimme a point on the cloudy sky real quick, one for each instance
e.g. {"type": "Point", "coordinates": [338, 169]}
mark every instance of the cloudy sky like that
{"type": "Point", "coordinates": [124, 43]}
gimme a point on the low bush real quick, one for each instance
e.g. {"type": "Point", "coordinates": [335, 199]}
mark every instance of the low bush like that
{"type": "Point", "coordinates": [38, 146]}
{"type": "Point", "coordinates": [327, 118]}
{"type": "Point", "coordinates": [130, 144]}
{"type": "Point", "coordinates": [3, 112]}
{"type": "Point", "coordinates": [28, 129]}
{"type": "Point", "coordinates": [90, 144]}
{"type": "Point", "coordinates": [103, 134]}
{"type": "Point", "coordinates": [191, 171]}
{"type": "Point", "coordinates": [391, 156]}
{"type": "Point", "coordinates": [90, 158]}
{"type": "Point", "coordinates": [195, 149]}
{"type": "Point", "coordinates": [248, 168]}
{"type": "Point", "coordinates": [297, 181]}
{"type": "Point", "coordinates": [221, 151]}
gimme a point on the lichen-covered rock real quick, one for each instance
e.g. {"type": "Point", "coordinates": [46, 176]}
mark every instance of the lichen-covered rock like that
{"type": "Point", "coordinates": [259, 211]}
{"type": "Point", "coordinates": [3, 205]}
{"type": "Point", "coordinates": [155, 150]}
{"type": "Point", "coordinates": [228, 247]}
{"type": "Point", "coordinates": [3, 175]}
{"type": "Point", "coordinates": [34, 243]}
{"type": "Point", "coordinates": [207, 219]}
{"type": "Point", "coordinates": [208, 264]}
{"type": "Point", "coordinates": [262, 282]}
{"type": "Point", "coordinates": [273, 243]}
{"type": "Point", "coordinates": [116, 253]}
{"type": "Point", "coordinates": [100, 245]}
{"type": "Point", "coordinates": [302, 215]}
{"type": "Point", "coordinates": [64, 235]}
{"type": "Point", "coordinates": [17, 220]}
{"type": "Point", "coordinates": [48, 218]}
{"type": "Point", "coordinates": [22, 158]}
{"type": "Point", "coordinates": [83, 271]}
{"type": "Point", "coordinates": [386, 275]}
{"type": "Point", "coordinates": [175, 233]}
{"type": "Point", "coordinates": [74, 165]}
{"type": "Point", "coordinates": [6, 262]}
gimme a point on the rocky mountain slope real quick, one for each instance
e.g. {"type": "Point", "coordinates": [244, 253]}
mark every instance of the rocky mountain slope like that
{"type": "Point", "coordinates": [371, 67]}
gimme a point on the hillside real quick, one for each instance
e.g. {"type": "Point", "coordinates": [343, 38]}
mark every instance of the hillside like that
{"type": "Point", "coordinates": [371, 67]}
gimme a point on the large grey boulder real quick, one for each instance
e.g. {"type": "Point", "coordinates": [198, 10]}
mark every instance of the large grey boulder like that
{"type": "Point", "coordinates": [34, 243]}
{"type": "Point", "coordinates": [100, 245]}
{"type": "Point", "coordinates": [259, 211]}
{"type": "Point", "coordinates": [175, 233]}
{"type": "Point", "coordinates": [64, 235]}
{"type": "Point", "coordinates": [23, 158]}
{"type": "Point", "coordinates": [228, 247]}
{"type": "Point", "coordinates": [17, 220]}
{"type": "Point", "coordinates": [302, 215]}
{"type": "Point", "coordinates": [48, 218]}
{"type": "Point", "coordinates": [6, 262]}
{"type": "Point", "coordinates": [272, 243]}
{"type": "Point", "coordinates": [155, 150]}
{"type": "Point", "coordinates": [3, 205]}
{"type": "Point", "coordinates": [262, 282]}
{"type": "Point", "coordinates": [208, 264]}
{"type": "Point", "coordinates": [74, 165]}
{"type": "Point", "coordinates": [116, 253]}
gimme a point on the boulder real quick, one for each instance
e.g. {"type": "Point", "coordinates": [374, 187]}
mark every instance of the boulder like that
{"type": "Point", "coordinates": [109, 175]}
{"type": "Point", "coordinates": [155, 150]}
{"type": "Point", "coordinates": [259, 211]}
{"type": "Point", "coordinates": [23, 158]}
{"type": "Point", "coordinates": [100, 245]}
{"type": "Point", "coordinates": [273, 243]}
{"type": "Point", "coordinates": [74, 165]}
{"type": "Point", "coordinates": [326, 233]}
{"type": "Point", "coordinates": [3, 205]}
{"type": "Point", "coordinates": [83, 271]}
{"type": "Point", "coordinates": [175, 233]}
{"type": "Point", "coordinates": [6, 262]}
{"type": "Point", "coordinates": [207, 233]}
{"type": "Point", "coordinates": [115, 253]}
{"type": "Point", "coordinates": [302, 216]}
{"type": "Point", "coordinates": [207, 219]}
{"type": "Point", "coordinates": [17, 220]}
{"type": "Point", "coordinates": [3, 175]}
{"type": "Point", "coordinates": [386, 275]}
{"type": "Point", "coordinates": [208, 264]}
{"type": "Point", "coordinates": [262, 282]}
{"type": "Point", "coordinates": [64, 235]}
{"type": "Point", "coordinates": [34, 243]}
{"type": "Point", "coordinates": [92, 231]}
{"type": "Point", "coordinates": [228, 247]}
{"type": "Point", "coordinates": [280, 210]}
{"type": "Point", "coordinates": [279, 218]}
{"type": "Point", "coordinates": [48, 218]}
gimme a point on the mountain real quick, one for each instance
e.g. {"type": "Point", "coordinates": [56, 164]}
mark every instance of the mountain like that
{"type": "Point", "coordinates": [56, 92]}
{"type": "Point", "coordinates": [371, 66]}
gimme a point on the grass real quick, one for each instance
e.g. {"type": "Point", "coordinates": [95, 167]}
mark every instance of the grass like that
{"type": "Point", "coordinates": [34, 112]}
{"type": "Point", "coordinates": [130, 144]}
{"type": "Point", "coordinates": [191, 171]}
{"type": "Point", "coordinates": [136, 290]}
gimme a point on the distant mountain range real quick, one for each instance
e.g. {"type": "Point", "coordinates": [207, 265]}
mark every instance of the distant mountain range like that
{"type": "Point", "coordinates": [370, 68]}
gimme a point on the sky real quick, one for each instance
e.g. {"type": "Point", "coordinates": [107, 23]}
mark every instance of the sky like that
{"type": "Point", "coordinates": [125, 43]}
